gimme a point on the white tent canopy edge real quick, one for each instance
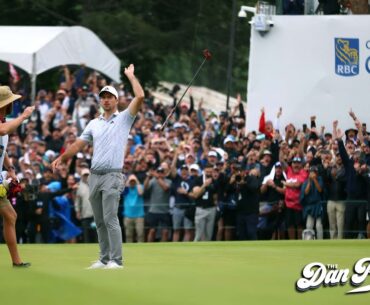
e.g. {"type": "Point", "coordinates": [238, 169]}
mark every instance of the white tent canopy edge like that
{"type": "Point", "coordinates": [36, 49]}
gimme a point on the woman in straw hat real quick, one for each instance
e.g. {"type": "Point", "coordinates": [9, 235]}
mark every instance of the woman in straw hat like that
{"type": "Point", "coordinates": [6, 210]}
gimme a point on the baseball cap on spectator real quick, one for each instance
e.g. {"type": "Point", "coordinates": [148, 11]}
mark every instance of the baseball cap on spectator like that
{"type": "Point", "coordinates": [278, 164]}
{"type": "Point", "coordinates": [194, 167]}
{"type": "Point", "coordinates": [62, 91]}
{"type": "Point", "coordinates": [36, 140]}
{"type": "Point", "coordinates": [229, 139]}
{"type": "Point", "coordinates": [130, 137]}
{"type": "Point", "coordinates": [297, 160]}
{"type": "Point", "coordinates": [50, 153]}
{"type": "Point", "coordinates": [54, 186]}
{"type": "Point", "coordinates": [265, 152]}
{"type": "Point", "coordinates": [157, 126]}
{"type": "Point", "coordinates": [184, 166]}
{"type": "Point", "coordinates": [86, 88]}
{"type": "Point", "coordinates": [212, 154]}
{"type": "Point", "coordinates": [177, 125]}
{"type": "Point", "coordinates": [80, 155]}
{"type": "Point", "coordinates": [149, 115]}
{"type": "Point", "coordinates": [28, 171]}
{"type": "Point", "coordinates": [110, 90]}
{"type": "Point", "coordinates": [85, 171]}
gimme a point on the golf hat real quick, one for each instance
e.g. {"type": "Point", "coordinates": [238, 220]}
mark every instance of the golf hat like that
{"type": "Point", "coordinates": [110, 90]}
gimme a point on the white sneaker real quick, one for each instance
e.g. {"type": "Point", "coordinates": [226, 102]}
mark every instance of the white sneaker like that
{"type": "Point", "coordinates": [97, 265]}
{"type": "Point", "coordinates": [113, 265]}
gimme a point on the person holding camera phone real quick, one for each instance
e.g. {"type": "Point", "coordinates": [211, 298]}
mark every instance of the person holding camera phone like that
{"type": "Point", "coordinates": [245, 184]}
{"type": "Point", "coordinates": [311, 198]}
{"type": "Point", "coordinates": [158, 187]}
{"type": "Point", "coordinates": [271, 222]}
{"type": "Point", "coordinates": [204, 194]}
{"type": "Point", "coordinates": [133, 210]}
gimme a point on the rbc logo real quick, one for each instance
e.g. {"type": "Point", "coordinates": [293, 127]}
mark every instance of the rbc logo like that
{"type": "Point", "coordinates": [347, 56]}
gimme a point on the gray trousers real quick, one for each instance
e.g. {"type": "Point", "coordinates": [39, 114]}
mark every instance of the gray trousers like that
{"type": "Point", "coordinates": [204, 223]}
{"type": "Point", "coordinates": [105, 192]}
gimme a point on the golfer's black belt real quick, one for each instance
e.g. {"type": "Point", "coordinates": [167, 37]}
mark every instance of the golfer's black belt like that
{"type": "Point", "coordinates": [105, 171]}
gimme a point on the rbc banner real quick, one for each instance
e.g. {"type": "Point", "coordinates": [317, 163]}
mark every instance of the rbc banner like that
{"type": "Point", "coordinates": [311, 65]}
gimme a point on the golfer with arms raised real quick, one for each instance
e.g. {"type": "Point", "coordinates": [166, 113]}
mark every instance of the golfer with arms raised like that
{"type": "Point", "coordinates": [108, 134]}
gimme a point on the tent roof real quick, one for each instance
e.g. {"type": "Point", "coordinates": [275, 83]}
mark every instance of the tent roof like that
{"type": "Point", "coordinates": [55, 46]}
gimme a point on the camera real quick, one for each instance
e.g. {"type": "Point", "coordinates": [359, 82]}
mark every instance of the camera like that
{"type": "Point", "coordinates": [31, 190]}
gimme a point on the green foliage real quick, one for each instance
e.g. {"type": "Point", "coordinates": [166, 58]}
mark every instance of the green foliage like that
{"type": "Point", "coordinates": [164, 38]}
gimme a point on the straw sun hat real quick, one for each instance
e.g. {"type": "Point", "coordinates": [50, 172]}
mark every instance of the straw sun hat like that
{"type": "Point", "coordinates": [7, 96]}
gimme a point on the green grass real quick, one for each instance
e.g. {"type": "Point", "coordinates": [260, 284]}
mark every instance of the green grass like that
{"type": "Point", "coordinates": [179, 273]}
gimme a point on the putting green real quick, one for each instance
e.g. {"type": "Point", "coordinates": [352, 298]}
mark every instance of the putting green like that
{"type": "Point", "coordinates": [180, 273]}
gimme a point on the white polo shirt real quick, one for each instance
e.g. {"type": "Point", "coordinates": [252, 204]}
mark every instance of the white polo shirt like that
{"type": "Point", "coordinates": [3, 145]}
{"type": "Point", "coordinates": [109, 139]}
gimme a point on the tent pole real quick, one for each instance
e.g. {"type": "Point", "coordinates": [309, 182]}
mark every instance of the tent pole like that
{"type": "Point", "coordinates": [33, 79]}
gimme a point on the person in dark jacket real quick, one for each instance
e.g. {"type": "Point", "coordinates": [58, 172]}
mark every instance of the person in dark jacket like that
{"type": "Point", "coordinates": [367, 177]}
{"type": "Point", "coordinates": [355, 214]}
{"type": "Point", "coordinates": [311, 200]}
{"type": "Point", "coordinates": [246, 187]}
{"type": "Point", "coordinates": [271, 220]}
{"type": "Point", "coordinates": [39, 213]}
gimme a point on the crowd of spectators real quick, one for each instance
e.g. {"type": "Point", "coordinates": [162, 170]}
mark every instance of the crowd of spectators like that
{"type": "Point", "coordinates": [204, 177]}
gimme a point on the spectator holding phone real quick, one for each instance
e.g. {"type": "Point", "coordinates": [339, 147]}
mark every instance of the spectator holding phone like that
{"type": "Point", "coordinates": [311, 200]}
{"type": "Point", "coordinates": [133, 210]}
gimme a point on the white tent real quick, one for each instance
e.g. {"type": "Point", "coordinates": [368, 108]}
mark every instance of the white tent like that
{"type": "Point", "coordinates": [36, 49]}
